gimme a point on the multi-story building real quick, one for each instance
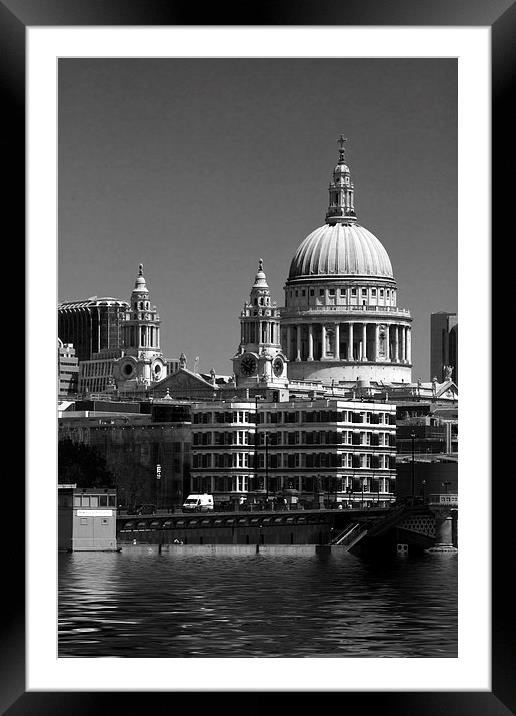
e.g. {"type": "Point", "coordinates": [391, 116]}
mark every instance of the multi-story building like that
{"type": "Point", "coordinates": [443, 346]}
{"type": "Point", "coordinates": [92, 325]}
{"type": "Point", "coordinates": [96, 375]}
{"type": "Point", "coordinates": [67, 368]}
{"type": "Point", "coordinates": [343, 451]}
{"type": "Point", "coordinates": [146, 448]}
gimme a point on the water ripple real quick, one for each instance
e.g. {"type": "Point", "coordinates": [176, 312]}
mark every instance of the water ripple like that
{"type": "Point", "coordinates": [255, 606]}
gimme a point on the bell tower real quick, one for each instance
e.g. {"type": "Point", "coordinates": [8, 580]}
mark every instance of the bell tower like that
{"type": "Point", "coordinates": [260, 361]}
{"type": "Point", "coordinates": [143, 363]}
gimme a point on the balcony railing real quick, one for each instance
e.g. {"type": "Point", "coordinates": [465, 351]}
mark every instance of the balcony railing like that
{"type": "Point", "coordinates": [344, 309]}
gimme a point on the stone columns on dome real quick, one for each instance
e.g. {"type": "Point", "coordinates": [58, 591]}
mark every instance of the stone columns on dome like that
{"type": "Point", "coordinates": [403, 345]}
{"type": "Point", "coordinates": [310, 342]}
{"type": "Point", "coordinates": [337, 341]}
{"type": "Point", "coordinates": [289, 342]}
{"type": "Point", "coordinates": [409, 344]}
{"type": "Point", "coordinates": [350, 341]}
{"type": "Point", "coordinates": [396, 345]}
{"type": "Point", "coordinates": [364, 341]}
{"type": "Point", "coordinates": [376, 353]}
{"type": "Point", "coordinates": [323, 342]}
{"type": "Point", "coordinates": [298, 342]}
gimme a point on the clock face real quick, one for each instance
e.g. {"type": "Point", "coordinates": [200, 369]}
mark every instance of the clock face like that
{"type": "Point", "coordinates": [278, 366]}
{"type": "Point", "coordinates": [128, 369]}
{"type": "Point", "coordinates": [248, 364]}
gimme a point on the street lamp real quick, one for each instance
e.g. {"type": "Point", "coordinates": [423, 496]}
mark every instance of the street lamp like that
{"type": "Point", "coordinates": [412, 476]}
{"type": "Point", "coordinates": [256, 441]}
{"type": "Point", "coordinates": [266, 435]}
{"type": "Point", "coordinates": [317, 481]}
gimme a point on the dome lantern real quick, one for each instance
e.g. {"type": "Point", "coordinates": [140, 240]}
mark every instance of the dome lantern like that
{"type": "Point", "coordinates": [341, 208]}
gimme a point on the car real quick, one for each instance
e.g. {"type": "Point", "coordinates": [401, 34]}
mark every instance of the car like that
{"type": "Point", "coordinates": [147, 509]}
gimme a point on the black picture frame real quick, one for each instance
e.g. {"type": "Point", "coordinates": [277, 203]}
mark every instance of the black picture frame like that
{"type": "Point", "coordinates": [15, 17]}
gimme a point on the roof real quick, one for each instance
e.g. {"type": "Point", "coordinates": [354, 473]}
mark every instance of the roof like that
{"type": "Point", "coordinates": [341, 250]}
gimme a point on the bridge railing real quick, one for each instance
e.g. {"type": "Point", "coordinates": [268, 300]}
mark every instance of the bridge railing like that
{"type": "Point", "coordinates": [391, 519]}
{"type": "Point", "coordinates": [341, 537]}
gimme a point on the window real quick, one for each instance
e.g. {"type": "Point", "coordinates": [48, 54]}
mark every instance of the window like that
{"type": "Point", "coordinates": [353, 292]}
{"type": "Point", "coordinates": [373, 292]}
{"type": "Point", "coordinates": [312, 292]}
{"type": "Point", "coordinates": [332, 292]}
{"type": "Point", "coordinates": [364, 292]}
{"type": "Point", "coordinates": [103, 500]}
{"type": "Point", "coordinates": [342, 291]}
{"type": "Point", "coordinates": [94, 501]}
{"type": "Point", "coordinates": [85, 501]}
{"type": "Point", "coordinates": [303, 293]}
{"type": "Point", "coordinates": [321, 292]}
{"type": "Point", "coordinates": [381, 293]}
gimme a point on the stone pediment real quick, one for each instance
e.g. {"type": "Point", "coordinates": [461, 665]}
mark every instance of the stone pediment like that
{"type": "Point", "coordinates": [448, 390]}
{"type": "Point", "coordinates": [183, 380]}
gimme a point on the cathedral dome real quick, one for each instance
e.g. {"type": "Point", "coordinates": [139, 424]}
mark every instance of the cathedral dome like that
{"type": "Point", "coordinates": [341, 249]}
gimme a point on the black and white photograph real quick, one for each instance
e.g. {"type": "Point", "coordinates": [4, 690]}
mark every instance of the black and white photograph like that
{"type": "Point", "coordinates": [244, 454]}
{"type": "Point", "coordinates": [257, 349]}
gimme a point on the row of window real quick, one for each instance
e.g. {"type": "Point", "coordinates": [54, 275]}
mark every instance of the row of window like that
{"type": "Point", "coordinates": [96, 368]}
{"type": "Point", "coordinates": [86, 501]}
{"type": "Point", "coordinates": [298, 437]}
{"type": "Point", "coordinates": [293, 460]}
{"type": "Point", "coordinates": [294, 416]}
{"type": "Point", "coordinates": [354, 292]}
{"type": "Point", "coordinates": [244, 483]}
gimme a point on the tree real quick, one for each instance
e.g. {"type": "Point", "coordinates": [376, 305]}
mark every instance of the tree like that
{"type": "Point", "coordinates": [83, 465]}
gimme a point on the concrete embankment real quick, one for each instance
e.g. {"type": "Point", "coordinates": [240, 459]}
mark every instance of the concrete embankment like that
{"type": "Point", "coordinates": [230, 549]}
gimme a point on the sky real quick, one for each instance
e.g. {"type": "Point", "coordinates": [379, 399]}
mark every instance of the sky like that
{"type": "Point", "coordinates": [199, 167]}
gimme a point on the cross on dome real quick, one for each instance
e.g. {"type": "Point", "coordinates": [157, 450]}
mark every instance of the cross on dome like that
{"type": "Point", "coordinates": [341, 141]}
{"type": "Point", "coordinates": [139, 284]}
{"type": "Point", "coordinates": [260, 280]}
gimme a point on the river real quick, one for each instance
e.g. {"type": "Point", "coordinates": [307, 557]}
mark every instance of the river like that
{"type": "Point", "coordinates": [137, 604]}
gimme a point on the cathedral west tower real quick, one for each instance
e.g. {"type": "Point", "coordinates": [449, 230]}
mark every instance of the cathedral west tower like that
{"type": "Point", "coordinates": [341, 320]}
{"type": "Point", "coordinates": [143, 363]}
{"type": "Point", "coordinates": [260, 361]}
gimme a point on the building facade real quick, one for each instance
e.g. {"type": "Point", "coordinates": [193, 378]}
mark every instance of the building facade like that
{"type": "Point", "coordinates": [443, 346]}
{"type": "Point", "coordinates": [148, 454]}
{"type": "Point", "coordinates": [341, 320]}
{"type": "Point", "coordinates": [67, 369]}
{"type": "Point", "coordinates": [92, 325]}
{"type": "Point", "coordinates": [340, 451]}
{"type": "Point", "coordinates": [86, 519]}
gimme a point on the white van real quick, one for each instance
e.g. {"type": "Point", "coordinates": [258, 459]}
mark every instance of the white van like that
{"type": "Point", "coordinates": [198, 503]}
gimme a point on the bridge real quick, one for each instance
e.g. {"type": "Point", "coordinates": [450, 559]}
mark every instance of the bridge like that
{"type": "Point", "coordinates": [360, 531]}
